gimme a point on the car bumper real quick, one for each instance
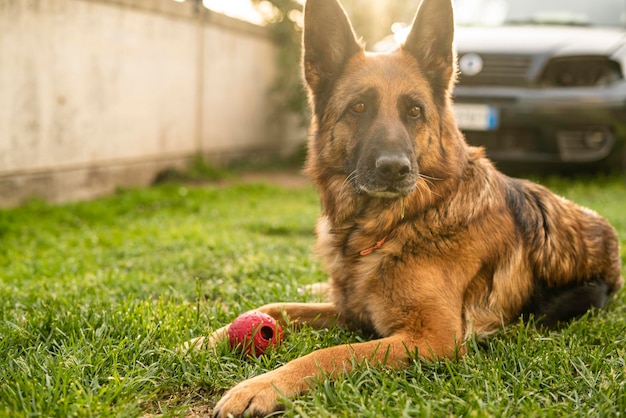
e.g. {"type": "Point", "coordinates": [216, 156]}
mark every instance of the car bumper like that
{"type": "Point", "coordinates": [581, 125]}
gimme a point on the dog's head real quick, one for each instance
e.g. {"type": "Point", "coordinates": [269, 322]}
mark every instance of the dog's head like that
{"type": "Point", "coordinates": [383, 121]}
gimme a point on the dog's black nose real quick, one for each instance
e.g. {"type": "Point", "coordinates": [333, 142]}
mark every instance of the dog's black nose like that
{"type": "Point", "coordinates": [393, 167]}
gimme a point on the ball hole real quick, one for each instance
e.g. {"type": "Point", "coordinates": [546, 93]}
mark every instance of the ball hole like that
{"type": "Point", "coordinates": [267, 332]}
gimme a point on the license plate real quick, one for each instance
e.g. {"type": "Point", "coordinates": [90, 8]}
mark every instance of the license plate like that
{"type": "Point", "coordinates": [476, 117]}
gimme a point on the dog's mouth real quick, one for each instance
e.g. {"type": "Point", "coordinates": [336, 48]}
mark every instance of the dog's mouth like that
{"type": "Point", "coordinates": [386, 192]}
{"type": "Point", "coordinates": [374, 185]}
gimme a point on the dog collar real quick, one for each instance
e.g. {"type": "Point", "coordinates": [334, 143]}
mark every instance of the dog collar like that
{"type": "Point", "coordinates": [374, 248]}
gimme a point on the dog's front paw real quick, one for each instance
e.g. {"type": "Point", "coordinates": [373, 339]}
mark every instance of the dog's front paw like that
{"type": "Point", "coordinates": [255, 397]}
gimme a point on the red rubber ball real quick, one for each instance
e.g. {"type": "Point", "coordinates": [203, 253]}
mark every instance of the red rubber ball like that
{"type": "Point", "coordinates": [253, 332]}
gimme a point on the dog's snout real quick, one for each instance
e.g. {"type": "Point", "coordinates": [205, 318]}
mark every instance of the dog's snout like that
{"type": "Point", "coordinates": [393, 167]}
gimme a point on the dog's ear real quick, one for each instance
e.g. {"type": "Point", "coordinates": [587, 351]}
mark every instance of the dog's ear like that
{"type": "Point", "coordinates": [430, 42]}
{"type": "Point", "coordinates": [329, 42]}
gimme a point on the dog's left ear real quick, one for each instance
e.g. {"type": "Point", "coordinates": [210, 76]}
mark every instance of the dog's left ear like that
{"type": "Point", "coordinates": [430, 41]}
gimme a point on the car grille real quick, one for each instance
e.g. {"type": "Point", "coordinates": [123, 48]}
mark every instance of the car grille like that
{"type": "Point", "coordinates": [500, 70]}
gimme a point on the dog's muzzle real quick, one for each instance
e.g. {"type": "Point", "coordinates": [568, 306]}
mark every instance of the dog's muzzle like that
{"type": "Point", "coordinates": [391, 176]}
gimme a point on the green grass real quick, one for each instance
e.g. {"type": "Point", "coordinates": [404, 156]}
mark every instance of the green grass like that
{"type": "Point", "coordinates": [96, 297]}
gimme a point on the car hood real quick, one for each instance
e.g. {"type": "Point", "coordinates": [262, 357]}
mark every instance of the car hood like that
{"type": "Point", "coordinates": [553, 40]}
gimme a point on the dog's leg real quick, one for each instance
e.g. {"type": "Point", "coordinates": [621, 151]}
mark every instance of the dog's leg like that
{"type": "Point", "coordinates": [260, 395]}
{"type": "Point", "coordinates": [317, 315]}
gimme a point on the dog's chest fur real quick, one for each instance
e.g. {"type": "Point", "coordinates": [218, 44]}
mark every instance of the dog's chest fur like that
{"type": "Point", "coordinates": [418, 263]}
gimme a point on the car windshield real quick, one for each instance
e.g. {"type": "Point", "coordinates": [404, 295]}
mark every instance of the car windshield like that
{"type": "Point", "coordinates": [540, 12]}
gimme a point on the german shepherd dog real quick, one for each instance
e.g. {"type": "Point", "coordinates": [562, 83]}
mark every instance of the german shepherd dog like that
{"type": "Point", "coordinates": [425, 241]}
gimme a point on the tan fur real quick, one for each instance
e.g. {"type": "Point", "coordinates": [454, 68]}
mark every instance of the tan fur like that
{"type": "Point", "coordinates": [454, 247]}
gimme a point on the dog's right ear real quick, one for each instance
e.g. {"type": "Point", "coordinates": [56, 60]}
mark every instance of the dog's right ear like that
{"type": "Point", "coordinates": [430, 42]}
{"type": "Point", "coordinates": [329, 42]}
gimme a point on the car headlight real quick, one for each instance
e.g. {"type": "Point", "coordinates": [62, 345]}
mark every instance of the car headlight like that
{"type": "Point", "coordinates": [580, 72]}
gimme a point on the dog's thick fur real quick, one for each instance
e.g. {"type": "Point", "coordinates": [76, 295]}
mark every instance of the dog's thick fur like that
{"type": "Point", "coordinates": [425, 241]}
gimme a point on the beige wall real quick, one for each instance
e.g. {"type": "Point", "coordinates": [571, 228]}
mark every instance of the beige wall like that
{"type": "Point", "coordinates": [237, 78]}
{"type": "Point", "coordinates": [96, 94]}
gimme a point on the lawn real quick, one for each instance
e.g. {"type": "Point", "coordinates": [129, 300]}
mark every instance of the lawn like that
{"type": "Point", "coordinates": [96, 297]}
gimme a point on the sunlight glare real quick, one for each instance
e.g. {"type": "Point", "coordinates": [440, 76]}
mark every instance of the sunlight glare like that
{"type": "Point", "coordinates": [240, 9]}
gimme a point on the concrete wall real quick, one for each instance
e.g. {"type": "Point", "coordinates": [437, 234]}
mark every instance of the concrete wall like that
{"type": "Point", "coordinates": [96, 94]}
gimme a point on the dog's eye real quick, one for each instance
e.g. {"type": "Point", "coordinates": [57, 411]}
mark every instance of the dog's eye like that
{"type": "Point", "coordinates": [415, 112]}
{"type": "Point", "coordinates": [358, 107]}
